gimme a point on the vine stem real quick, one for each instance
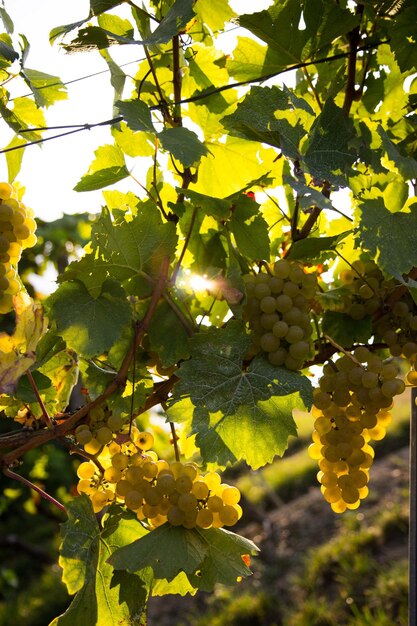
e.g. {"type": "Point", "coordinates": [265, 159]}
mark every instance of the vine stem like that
{"type": "Point", "coordinates": [184, 248]}
{"type": "Point", "coordinates": [8, 472]}
{"type": "Point", "coordinates": [174, 441]}
{"type": "Point", "coordinates": [344, 351]}
{"type": "Point", "coordinates": [45, 414]}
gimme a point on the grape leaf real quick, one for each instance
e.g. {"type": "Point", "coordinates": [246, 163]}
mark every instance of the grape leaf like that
{"type": "Point", "coordinates": [216, 207]}
{"type": "Point", "coordinates": [107, 168]}
{"type": "Point", "coordinates": [167, 336]}
{"type": "Point", "coordinates": [274, 116]}
{"type": "Point", "coordinates": [174, 21]}
{"type": "Point", "coordinates": [90, 325]}
{"type": "Point", "coordinates": [345, 330]}
{"type": "Point", "coordinates": [403, 165]}
{"type": "Point", "coordinates": [329, 154]}
{"type": "Point", "coordinates": [103, 597]}
{"type": "Point", "coordinates": [251, 236]}
{"type": "Point", "coordinates": [136, 114]}
{"type": "Point", "coordinates": [223, 563]}
{"type": "Point", "coordinates": [313, 247]}
{"type": "Point", "coordinates": [125, 250]}
{"type": "Point", "coordinates": [390, 237]}
{"type": "Point", "coordinates": [17, 351]}
{"type": "Point", "coordinates": [240, 413]}
{"type": "Point", "coordinates": [183, 144]}
{"type": "Point", "coordinates": [205, 556]}
{"type": "Point", "coordinates": [46, 88]}
{"type": "Point", "coordinates": [14, 157]}
{"type": "Point", "coordinates": [279, 26]}
{"type": "Point", "coordinates": [213, 377]}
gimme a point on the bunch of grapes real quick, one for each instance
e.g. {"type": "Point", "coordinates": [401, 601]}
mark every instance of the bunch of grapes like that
{"type": "Point", "coordinates": [155, 490]}
{"type": "Point", "coordinates": [351, 408]}
{"type": "Point", "coordinates": [398, 327]}
{"type": "Point", "coordinates": [17, 228]}
{"type": "Point", "coordinates": [366, 286]}
{"type": "Point", "coordinates": [278, 310]}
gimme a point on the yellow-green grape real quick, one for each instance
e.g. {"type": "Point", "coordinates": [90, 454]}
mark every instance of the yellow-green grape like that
{"type": "Point", "coordinates": [93, 446]}
{"type": "Point", "coordinates": [133, 499]}
{"type": "Point", "coordinates": [86, 470]}
{"type": "Point", "coordinates": [145, 441]}
{"type": "Point", "coordinates": [187, 502]}
{"type": "Point", "coordinates": [230, 495]}
{"type": "Point", "coordinates": [214, 504]}
{"type": "Point", "coordinates": [228, 515]}
{"type": "Point", "coordinates": [85, 486]}
{"type": "Point", "coordinates": [204, 518]}
{"type": "Point", "coordinates": [104, 435]}
{"type": "Point", "coordinates": [112, 474]}
{"type": "Point", "coordinates": [99, 501]}
{"type": "Point", "coordinates": [166, 484]}
{"type": "Point", "coordinates": [212, 480]}
{"type": "Point", "coordinates": [83, 434]}
{"type": "Point", "coordinates": [183, 484]}
{"type": "Point", "coordinates": [175, 516]}
{"type": "Point", "coordinates": [120, 461]}
{"type": "Point", "coordinates": [200, 489]}
{"type": "Point", "coordinates": [114, 422]}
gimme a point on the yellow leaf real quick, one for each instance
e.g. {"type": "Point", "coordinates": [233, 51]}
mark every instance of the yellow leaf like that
{"type": "Point", "coordinates": [17, 351]}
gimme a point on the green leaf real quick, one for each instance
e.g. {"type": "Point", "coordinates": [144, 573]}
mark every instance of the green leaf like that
{"type": "Point", "coordinates": [395, 161]}
{"type": "Point", "coordinates": [345, 330]}
{"type": "Point", "coordinates": [15, 157]}
{"type": "Point", "coordinates": [117, 76]}
{"type": "Point", "coordinates": [214, 13]}
{"type": "Point", "coordinates": [7, 21]}
{"type": "Point", "coordinates": [250, 409]}
{"type": "Point", "coordinates": [251, 236]}
{"type": "Point", "coordinates": [25, 391]}
{"type": "Point", "coordinates": [223, 563]}
{"type": "Point", "coordinates": [280, 27]}
{"type": "Point", "coordinates": [47, 89]}
{"type": "Point", "coordinates": [313, 247]}
{"type": "Point", "coordinates": [403, 37]}
{"type": "Point", "coordinates": [216, 207]}
{"type": "Point", "coordinates": [100, 6]}
{"type": "Point", "coordinates": [274, 116]}
{"type": "Point", "coordinates": [125, 251]}
{"type": "Point", "coordinates": [390, 237]}
{"type": "Point", "coordinates": [205, 556]}
{"type": "Point", "coordinates": [60, 31]}
{"type": "Point", "coordinates": [90, 325]}
{"type": "Point", "coordinates": [136, 114]}
{"type": "Point", "coordinates": [231, 166]}
{"type": "Point", "coordinates": [8, 53]}
{"type": "Point", "coordinates": [251, 60]}
{"type": "Point", "coordinates": [103, 596]}
{"type": "Point", "coordinates": [329, 155]}
{"type": "Point", "coordinates": [174, 22]}
{"type": "Point", "coordinates": [107, 169]}
{"type": "Point", "coordinates": [25, 114]}
{"type": "Point", "coordinates": [183, 144]}
{"type": "Point", "coordinates": [167, 336]}
{"type": "Point", "coordinates": [137, 246]}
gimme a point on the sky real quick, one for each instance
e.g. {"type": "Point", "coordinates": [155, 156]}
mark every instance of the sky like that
{"type": "Point", "coordinates": [50, 172]}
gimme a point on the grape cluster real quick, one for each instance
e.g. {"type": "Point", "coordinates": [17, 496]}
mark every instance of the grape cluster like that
{"type": "Point", "coordinates": [351, 408]}
{"type": "Point", "coordinates": [278, 310]}
{"type": "Point", "coordinates": [398, 327]}
{"type": "Point", "coordinates": [129, 472]}
{"type": "Point", "coordinates": [365, 286]}
{"type": "Point", "coordinates": [17, 228]}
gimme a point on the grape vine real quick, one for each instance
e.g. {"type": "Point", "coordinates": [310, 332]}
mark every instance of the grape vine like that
{"type": "Point", "coordinates": [262, 260]}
